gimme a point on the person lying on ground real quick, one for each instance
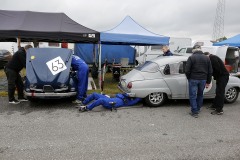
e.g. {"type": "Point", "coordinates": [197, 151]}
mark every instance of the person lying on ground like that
{"type": "Point", "coordinates": [120, 100]}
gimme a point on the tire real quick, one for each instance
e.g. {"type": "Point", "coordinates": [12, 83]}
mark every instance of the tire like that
{"type": "Point", "coordinates": [156, 99]}
{"type": "Point", "coordinates": [231, 95]}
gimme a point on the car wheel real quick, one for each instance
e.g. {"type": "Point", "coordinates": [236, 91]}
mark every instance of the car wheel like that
{"type": "Point", "coordinates": [231, 95]}
{"type": "Point", "coordinates": [156, 99]}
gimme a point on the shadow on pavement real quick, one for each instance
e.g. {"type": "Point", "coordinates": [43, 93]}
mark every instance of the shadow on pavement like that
{"type": "Point", "coordinates": [50, 106]}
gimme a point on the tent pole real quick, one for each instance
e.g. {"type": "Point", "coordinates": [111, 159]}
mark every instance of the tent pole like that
{"type": "Point", "coordinates": [18, 42]}
{"type": "Point", "coordinates": [99, 64]}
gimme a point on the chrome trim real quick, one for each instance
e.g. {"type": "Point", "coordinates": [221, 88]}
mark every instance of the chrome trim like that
{"type": "Point", "coordinates": [69, 94]}
{"type": "Point", "coordinates": [35, 89]}
{"type": "Point", "coordinates": [61, 89]}
{"type": "Point", "coordinates": [56, 90]}
{"type": "Point", "coordinates": [129, 94]}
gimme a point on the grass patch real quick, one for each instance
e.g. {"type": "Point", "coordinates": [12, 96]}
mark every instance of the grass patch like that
{"type": "Point", "coordinates": [110, 85]}
{"type": "Point", "coordinates": [2, 73]}
{"type": "Point", "coordinates": [3, 93]}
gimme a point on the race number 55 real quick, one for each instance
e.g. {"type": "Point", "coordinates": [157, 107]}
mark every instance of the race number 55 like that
{"type": "Point", "coordinates": [56, 65]}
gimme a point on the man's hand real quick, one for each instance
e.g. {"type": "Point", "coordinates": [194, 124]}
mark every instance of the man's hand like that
{"type": "Point", "coordinates": [207, 85]}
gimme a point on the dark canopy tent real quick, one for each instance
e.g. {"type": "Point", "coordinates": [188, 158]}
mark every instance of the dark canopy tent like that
{"type": "Point", "coordinates": [131, 33]}
{"type": "Point", "coordinates": [233, 41]}
{"type": "Point", "coordinates": [44, 27]}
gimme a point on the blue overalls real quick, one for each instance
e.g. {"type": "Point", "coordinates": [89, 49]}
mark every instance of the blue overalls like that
{"type": "Point", "coordinates": [121, 100]}
{"type": "Point", "coordinates": [82, 74]}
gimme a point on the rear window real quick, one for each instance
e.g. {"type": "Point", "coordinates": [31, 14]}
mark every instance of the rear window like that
{"type": "Point", "coordinates": [148, 67]}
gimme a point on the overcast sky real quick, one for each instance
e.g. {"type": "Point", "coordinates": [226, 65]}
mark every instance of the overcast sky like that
{"type": "Point", "coordinates": [174, 18]}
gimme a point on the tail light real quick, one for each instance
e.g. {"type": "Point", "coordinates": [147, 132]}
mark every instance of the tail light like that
{"type": "Point", "coordinates": [129, 85]}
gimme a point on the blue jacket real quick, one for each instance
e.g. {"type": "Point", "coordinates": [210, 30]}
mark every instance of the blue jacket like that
{"type": "Point", "coordinates": [168, 53]}
{"type": "Point", "coordinates": [127, 101]}
{"type": "Point", "coordinates": [77, 63]}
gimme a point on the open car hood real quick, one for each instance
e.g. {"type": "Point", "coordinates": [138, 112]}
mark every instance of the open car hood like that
{"type": "Point", "coordinates": [48, 66]}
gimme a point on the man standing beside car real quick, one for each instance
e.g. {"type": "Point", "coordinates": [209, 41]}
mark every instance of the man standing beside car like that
{"type": "Point", "coordinates": [12, 69]}
{"type": "Point", "coordinates": [199, 75]}
{"type": "Point", "coordinates": [221, 75]}
{"type": "Point", "coordinates": [166, 51]}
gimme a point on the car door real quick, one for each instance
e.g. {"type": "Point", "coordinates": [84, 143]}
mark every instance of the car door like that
{"type": "Point", "coordinates": [174, 76]}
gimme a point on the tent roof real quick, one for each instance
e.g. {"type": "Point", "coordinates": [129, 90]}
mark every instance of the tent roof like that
{"type": "Point", "coordinates": [45, 27]}
{"type": "Point", "coordinates": [130, 32]}
{"type": "Point", "coordinates": [233, 41]}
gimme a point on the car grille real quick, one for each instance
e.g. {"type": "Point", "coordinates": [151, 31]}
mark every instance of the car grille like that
{"type": "Point", "coordinates": [48, 89]}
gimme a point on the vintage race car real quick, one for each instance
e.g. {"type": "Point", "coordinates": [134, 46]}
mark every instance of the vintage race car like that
{"type": "Point", "coordinates": [164, 78]}
{"type": "Point", "coordinates": [48, 74]}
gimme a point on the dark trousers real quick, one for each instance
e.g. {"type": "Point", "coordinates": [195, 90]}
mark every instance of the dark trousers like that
{"type": "Point", "coordinates": [14, 80]}
{"type": "Point", "coordinates": [218, 101]}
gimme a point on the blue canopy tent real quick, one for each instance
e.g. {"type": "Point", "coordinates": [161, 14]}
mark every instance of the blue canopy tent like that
{"type": "Point", "coordinates": [131, 33]}
{"type": "Point", "coordinates": [233, 41]}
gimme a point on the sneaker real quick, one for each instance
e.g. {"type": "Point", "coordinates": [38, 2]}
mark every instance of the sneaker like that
{"type": "Point", "coordinates": [217, 112]}
{"type": "Point", "coordinates": [83, 108]}
{"type": "Point", "coordinates": [195, 115]}
{"type": "Point", "coordinates": [14, 101]}
{"type": "Point", "coordinates": [77, 101]}
{"type": "Point", "coordinates": [22, 100]}
{"type": "Point", "coordinates": [211, 107]}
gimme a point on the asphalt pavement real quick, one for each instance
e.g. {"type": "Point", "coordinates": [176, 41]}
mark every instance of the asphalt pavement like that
{"type": "Point", "coordinates": [48, 130]}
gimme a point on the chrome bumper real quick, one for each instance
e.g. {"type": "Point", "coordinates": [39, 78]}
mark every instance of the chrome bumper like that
{"type": "Point", "coordinates": [32, 94]}
{"type": "Point", "coordinates": [129, 94]}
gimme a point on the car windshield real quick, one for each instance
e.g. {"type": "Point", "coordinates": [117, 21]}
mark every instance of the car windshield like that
{"type": "Point", "coordinates": [148, 67]}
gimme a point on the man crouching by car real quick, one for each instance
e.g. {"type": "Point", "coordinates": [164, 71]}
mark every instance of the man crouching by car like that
{"type": "Point", "coordinates": [12, 69]}
{"type": "Point", "coordinates": [199, 75]}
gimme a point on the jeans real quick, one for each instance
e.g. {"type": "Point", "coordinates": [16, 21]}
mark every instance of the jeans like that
{"type": "Point", "coordinates": [196, 88]}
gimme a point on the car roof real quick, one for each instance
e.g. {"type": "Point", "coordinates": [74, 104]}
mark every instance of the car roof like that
{"type": "Point", "coordinates": [163, 60]}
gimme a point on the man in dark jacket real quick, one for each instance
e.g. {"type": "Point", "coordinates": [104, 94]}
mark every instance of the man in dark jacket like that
{"type": "Point", "coordinates": [166, 51]}
{"type": "Point", "coordinates": [221, 76]}
{"type": "Point", "coordinates": [199, 75]}
{"type": "Point", "coordinates": [120, 100]}
{"type": "Point", "coordinates": [12, 69]}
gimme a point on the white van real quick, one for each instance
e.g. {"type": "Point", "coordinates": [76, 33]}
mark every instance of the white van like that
{"type": "Point", "coordinates": [146, 53]}
{"type": "Point", "coordinates": [226, 53]}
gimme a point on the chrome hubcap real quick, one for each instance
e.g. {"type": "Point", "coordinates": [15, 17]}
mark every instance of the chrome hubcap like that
{"type": "Point", "coordinates": [231, 94]}
{"type": "Point", "coordinates": [156, 98]}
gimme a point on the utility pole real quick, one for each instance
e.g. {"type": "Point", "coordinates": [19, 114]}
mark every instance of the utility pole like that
{"type": "Point", "coordinates": [218, 27]}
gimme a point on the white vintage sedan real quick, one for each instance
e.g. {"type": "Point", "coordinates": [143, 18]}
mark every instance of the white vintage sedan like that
{"type": "Point", "coordinates": [164, 78]}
